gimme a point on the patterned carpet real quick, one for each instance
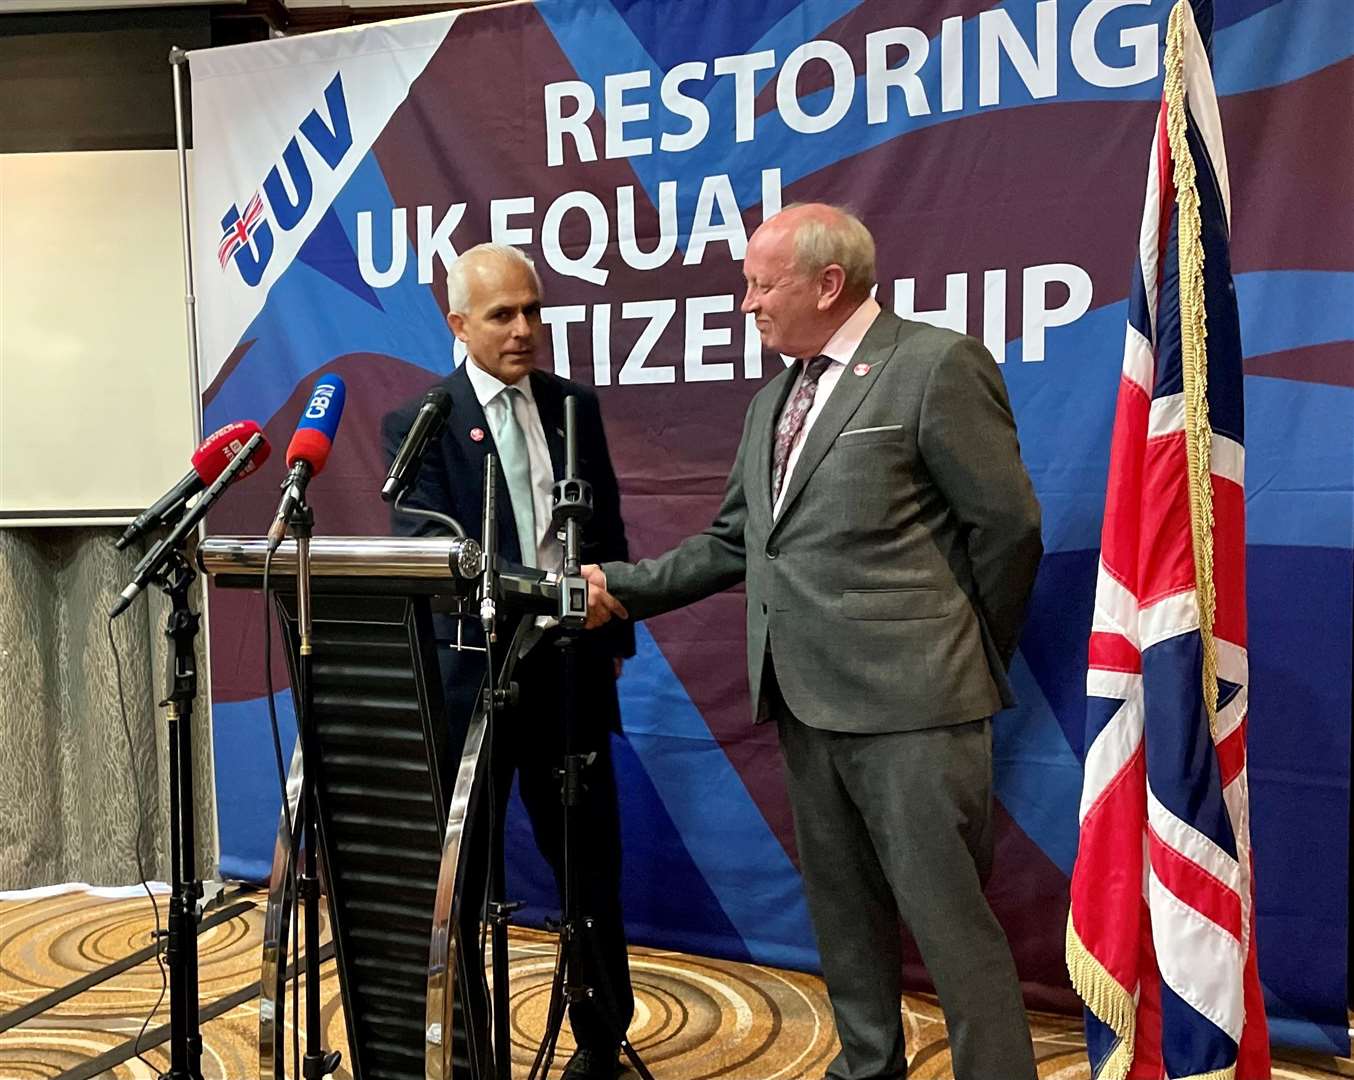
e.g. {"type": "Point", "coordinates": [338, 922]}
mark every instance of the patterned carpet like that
{"type": "Point", "coordinates": [694, 1018]}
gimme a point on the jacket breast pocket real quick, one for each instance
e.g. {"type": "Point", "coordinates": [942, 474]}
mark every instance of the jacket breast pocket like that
{"type": "Point", "coordinates": [868, 436]}
{"type": "Point", "coordinates": [895, 604]}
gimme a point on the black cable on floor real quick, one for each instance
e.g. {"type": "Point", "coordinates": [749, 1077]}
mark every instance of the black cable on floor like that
{"type": "Point", "coordinates": [140, 866]}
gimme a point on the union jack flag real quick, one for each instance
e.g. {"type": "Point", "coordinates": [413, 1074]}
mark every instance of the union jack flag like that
{"type": "Point", "coordinates": [1161, 932]}
{"type": "Point", "coordinates": [238, 233]}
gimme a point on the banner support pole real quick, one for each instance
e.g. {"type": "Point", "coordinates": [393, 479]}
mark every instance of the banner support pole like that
{"type": "Point", "coordinates": [178, 63]}
{"type": "Point", "coordinates": [178, 60]}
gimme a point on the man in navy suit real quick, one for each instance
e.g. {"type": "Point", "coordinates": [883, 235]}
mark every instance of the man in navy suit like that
{"type": "Point", "coordinates": [503, 404]}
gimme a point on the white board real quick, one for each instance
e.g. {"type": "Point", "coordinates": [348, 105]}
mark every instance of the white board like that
{"type": "Point", "coordinates": [96, 405]}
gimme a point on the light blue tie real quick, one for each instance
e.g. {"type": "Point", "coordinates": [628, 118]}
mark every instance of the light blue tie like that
{"type": "Point", "coordinates": [516, 464]}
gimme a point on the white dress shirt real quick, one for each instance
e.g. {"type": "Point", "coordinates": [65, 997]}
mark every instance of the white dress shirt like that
{"type": "Point", "coordinates": [840, 349]}
{"type": "Point", "coordinates": [543, 550]}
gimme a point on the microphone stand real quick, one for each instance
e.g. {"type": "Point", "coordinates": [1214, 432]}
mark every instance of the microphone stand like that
{"type": "Point", "coordinates": [181, 627]}
{"type": "Point", "coordinates": [498, 909]}
{"type": "Point", "coordinates": [166, 565]}
{"type": "Point", "coordinates": [317, 1063]}
{"type": "Point", "coordinates": [572, 498]}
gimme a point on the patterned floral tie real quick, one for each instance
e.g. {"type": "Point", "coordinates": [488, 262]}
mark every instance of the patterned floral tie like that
{"type": "Point", "coordinates": [792, 421]}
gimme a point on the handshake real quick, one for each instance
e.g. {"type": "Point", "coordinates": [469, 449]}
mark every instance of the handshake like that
{"type": "Point", "coordinates": [602, 606]}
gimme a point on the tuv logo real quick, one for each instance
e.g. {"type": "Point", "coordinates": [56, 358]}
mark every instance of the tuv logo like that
{"type": "Point", "coordinates": [247, 237]}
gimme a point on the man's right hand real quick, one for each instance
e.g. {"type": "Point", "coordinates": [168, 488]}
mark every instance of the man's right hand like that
{"type": "Point", "coordinates": [602, 606]}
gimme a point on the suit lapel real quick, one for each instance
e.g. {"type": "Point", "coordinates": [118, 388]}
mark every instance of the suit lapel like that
{"type": "Point", "coordinates": [875, 350]}
{"type": "Point", "coordinates": [467, 415]}
{"type": "Point", "coordinates": [550, 407]}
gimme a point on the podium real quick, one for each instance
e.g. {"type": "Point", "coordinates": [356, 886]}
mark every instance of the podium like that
{"type": "Point", "coordinates": [394, 797]}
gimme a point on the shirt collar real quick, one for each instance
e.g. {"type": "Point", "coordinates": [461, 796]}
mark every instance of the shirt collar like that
{"type": "Point", "coordinates": [487, 387]}
{"type": "Point", "coordinates": [842, 346]}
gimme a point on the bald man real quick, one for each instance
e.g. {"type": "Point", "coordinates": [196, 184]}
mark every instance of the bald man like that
{"type": "Point", "coordinates": [502, 403]}
{"type": "Point", "coordinates": [887, 531]}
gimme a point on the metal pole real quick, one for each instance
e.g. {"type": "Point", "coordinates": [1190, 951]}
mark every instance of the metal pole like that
{"type": "Point", "coordinates": [177, 61]}
{"type": "Point", "coordinates": [181, 951]}
{"type": "Point", "coordinates": [317, 1063]}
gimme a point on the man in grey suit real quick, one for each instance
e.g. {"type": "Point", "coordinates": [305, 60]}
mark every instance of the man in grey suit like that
{"type": "Point", "coordinates": [886, 528]}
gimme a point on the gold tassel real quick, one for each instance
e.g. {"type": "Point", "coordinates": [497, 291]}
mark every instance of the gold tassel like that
{"type": "Point", "coordinates": [1194, 357]}
{"type": "Point", "coordinates": [1112, 1005]}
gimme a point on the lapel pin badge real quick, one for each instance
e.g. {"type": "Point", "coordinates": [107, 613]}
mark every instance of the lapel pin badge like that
{"type": "Point", "coordinates": [861, 369]}
{"type": "Point", "coordinates": [477, 434]}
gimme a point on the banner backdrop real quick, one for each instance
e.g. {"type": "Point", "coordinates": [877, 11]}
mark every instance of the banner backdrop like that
{"type": "Point", "coordinates": [997, 152]}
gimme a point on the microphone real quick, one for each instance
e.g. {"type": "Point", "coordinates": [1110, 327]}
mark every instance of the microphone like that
{"type": "Point", "coordinates": [428, 423]}
{"type": "Point", "coordinates": [308, 450]}
{"type": "Point", "coordinates": [241, 464]}
{"type": "Point", "coordinates": [209, 459]}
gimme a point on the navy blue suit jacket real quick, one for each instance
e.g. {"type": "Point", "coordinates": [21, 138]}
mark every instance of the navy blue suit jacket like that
{"type": "Point", "coordinates": [451, 480]}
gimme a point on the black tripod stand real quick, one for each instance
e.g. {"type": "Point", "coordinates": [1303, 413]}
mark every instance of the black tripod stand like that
{"type": "Point", "coordinates": [181, 626]}
{"type": "Point", "coordinates": [572, 499]}
{"type": "Point", "coordinates": [165, 565]}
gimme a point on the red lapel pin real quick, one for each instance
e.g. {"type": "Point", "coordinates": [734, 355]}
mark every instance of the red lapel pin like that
{"type": "Point", "coordinates": [477, 434]}
{"type": "Point", "coordinates": [861, 369]}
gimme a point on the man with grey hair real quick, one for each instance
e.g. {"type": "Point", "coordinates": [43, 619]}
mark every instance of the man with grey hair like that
{"type": "Point", "coordinates": [502, 403]}
{"type": "Point", "coordinates": [887, 531]}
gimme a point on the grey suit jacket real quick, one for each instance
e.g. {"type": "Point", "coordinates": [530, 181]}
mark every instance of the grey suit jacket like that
{"type": "Point", "coordinates": [892, 587]}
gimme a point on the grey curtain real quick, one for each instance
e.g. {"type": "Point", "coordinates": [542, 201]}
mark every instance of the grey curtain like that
{"type": "Point", "coordinates": [72, 791]}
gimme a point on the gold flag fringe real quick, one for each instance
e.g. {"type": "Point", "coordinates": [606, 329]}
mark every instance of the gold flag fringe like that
{"type": "Point", "coordinates": [1113, 1006]}
{"type": "Point", "coordinates": [1194, 356]}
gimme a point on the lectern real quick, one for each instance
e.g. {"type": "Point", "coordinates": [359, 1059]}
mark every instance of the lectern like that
{"type": "Point", "coordinates": [394, 798]}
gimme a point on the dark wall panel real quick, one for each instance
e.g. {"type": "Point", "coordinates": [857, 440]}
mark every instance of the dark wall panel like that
{"type": "Point", "coordinates": [94, 80]}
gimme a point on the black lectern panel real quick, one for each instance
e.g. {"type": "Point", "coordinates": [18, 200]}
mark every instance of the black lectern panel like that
{"type": "Point", "coordinates": [382, 739]}
{"type": "Point", "coordinates": [385, 772]}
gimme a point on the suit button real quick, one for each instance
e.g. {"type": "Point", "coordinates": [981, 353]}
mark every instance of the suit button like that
{"type": "Point", "coordinates": [772, 552]}
{"type": "Point", "coordinates": [763, 609]}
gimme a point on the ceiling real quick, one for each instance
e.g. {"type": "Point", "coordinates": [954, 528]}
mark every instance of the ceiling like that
{"type": "Point", "coordinates": [274, 16]}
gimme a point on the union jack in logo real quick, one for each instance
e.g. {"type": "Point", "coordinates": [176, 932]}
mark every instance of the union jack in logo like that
{"type": "Point", "coordinates": [238, 233]}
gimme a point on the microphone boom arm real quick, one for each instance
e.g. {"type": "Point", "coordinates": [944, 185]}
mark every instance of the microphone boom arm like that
{"type": "Point", "coordinates": [153, 562]}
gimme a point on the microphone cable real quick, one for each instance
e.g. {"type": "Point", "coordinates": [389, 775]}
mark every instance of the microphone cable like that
{"type": "Point", "coordinates": [293, 838]}
{"type": "Point", "coordinates": [140, 865]}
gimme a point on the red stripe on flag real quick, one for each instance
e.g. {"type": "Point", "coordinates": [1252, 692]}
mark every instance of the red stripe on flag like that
{"type": "Point", "coordinates": [1229, 560]}
{"type": "Point", "coordinates": [1194, 885]}
{"type": "Point", "coordinates": [1166, 188]}
{"type": "Point", "coordinates": [1166, 554]}
{"type": "Point", "coordinates": [1119, 533]}
{"type": "Point", "coordinates": [1107, 876]}
{"type": "Point", "coordinates": [1113, 652]}
{"type": "Point", "coordinates": [1232, 754]}
{"type": "Point", "coordinates": [1147, 1064]}
{"type": "Point", "coordinates": [1252, 1056]}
